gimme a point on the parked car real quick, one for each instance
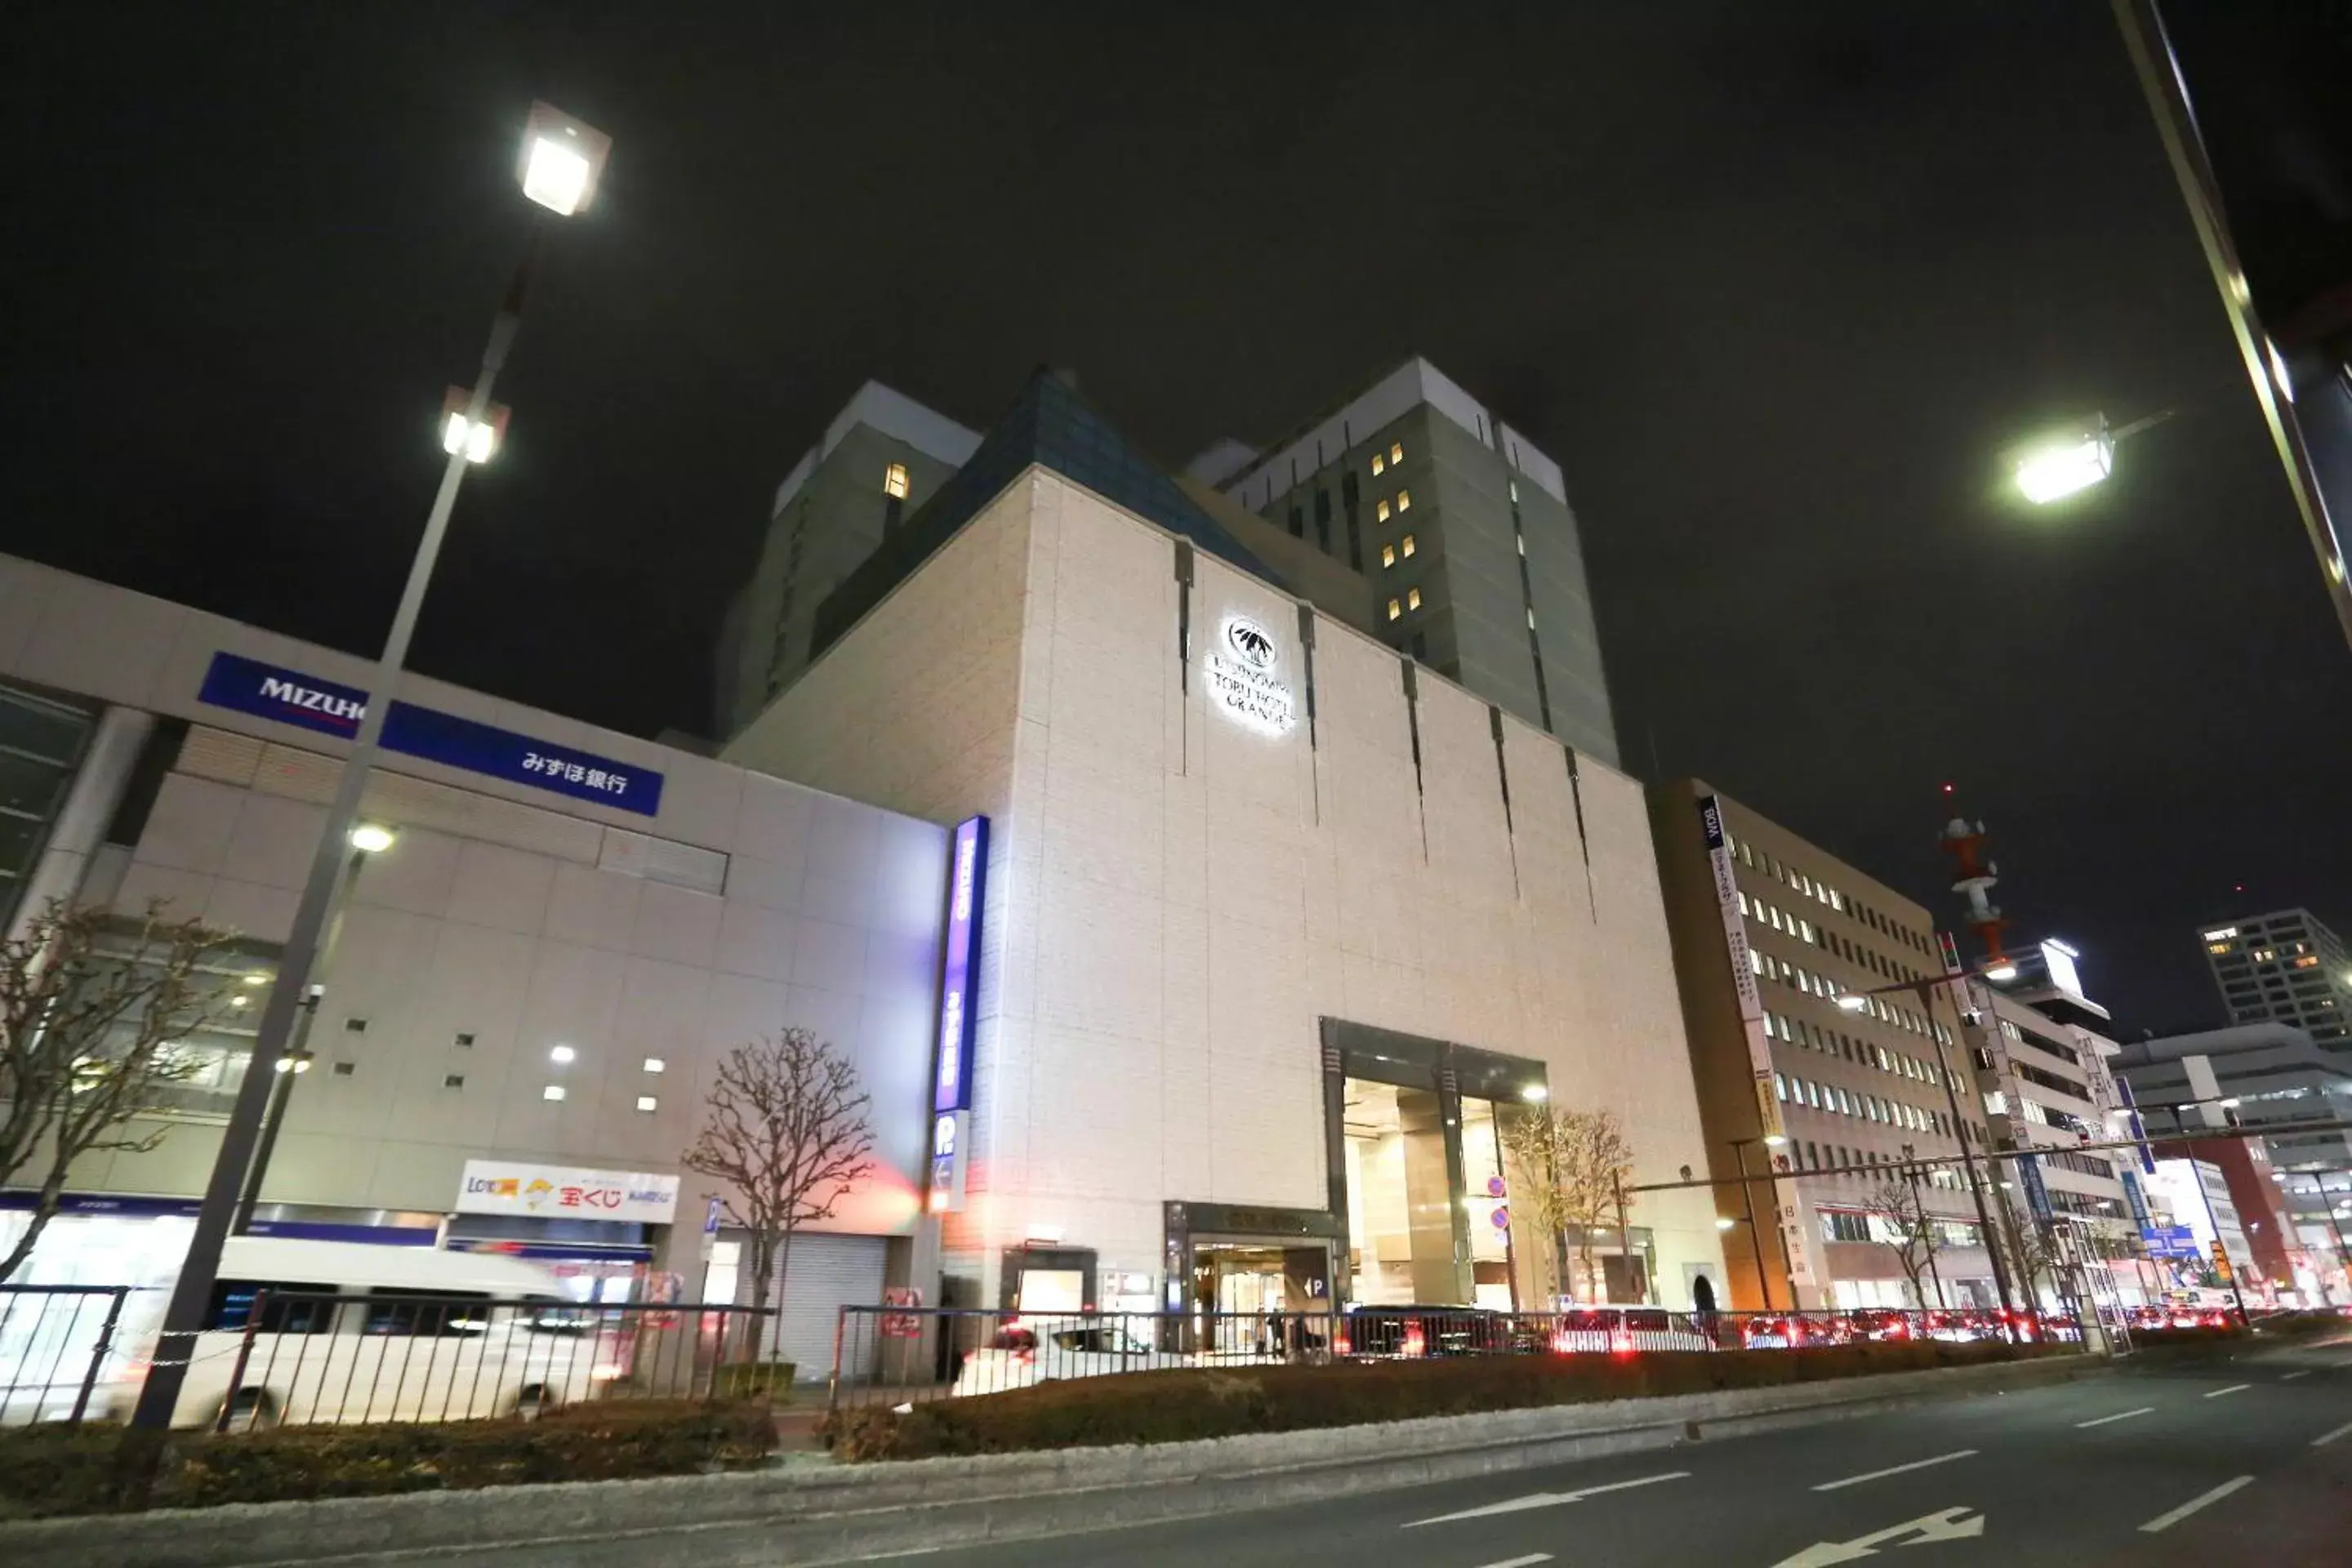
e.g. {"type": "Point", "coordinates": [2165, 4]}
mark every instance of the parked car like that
{"type": "Point", "coordinates": [1411, 1331]}
{"type": "Point", "coordinates": [1879, 1323]}
{"type": "Point", "coordinates": [1024, 1353]}
{"type": "Point", "coordinates": [430, 1336]}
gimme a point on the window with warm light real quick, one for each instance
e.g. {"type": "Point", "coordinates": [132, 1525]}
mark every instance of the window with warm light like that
{"type": "Point", "coordinates": [1404, 545]}
{"type": "Point", "coordinates": [1378, 467]}
{"type": "Point", "coordinates": [1404, 500]}
{"type": "Point", "coordinates": [1381, 512]}
{"type": "Point", "coordinates": [1395, 609]}
{"type": "Point", "coordinates": [1396, 451]}
{"type": "Point", "coordinates": [894, 481]}
{"type": "Point", "coordinates": [1387, 554]}
{"type": "Point", "coordinates": [1413, 598]}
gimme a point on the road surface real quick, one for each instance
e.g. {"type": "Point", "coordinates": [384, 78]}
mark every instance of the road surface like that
{"type": "Point", "coordinates": [2223, 1465]}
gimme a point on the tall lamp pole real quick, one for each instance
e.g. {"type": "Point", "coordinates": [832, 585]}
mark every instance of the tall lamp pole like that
{"type": "Point", "coordinates": [1755, 1234]}
{"type": "Point", "coordinates": [560, 162]}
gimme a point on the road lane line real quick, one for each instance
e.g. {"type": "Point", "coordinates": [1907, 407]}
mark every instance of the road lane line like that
{"type": "Point", "coordinates": [2118, 1415]}
{"type": "Point", "coordinates": [2290, 1376]}
{"type": "Point", "coordinates": [1521, 1562]}
{"type": "Point", "coordinates": [2327, 1437]}
{"type": "Point", "coordinates": [1548, 1499]}
{"type": "Point", "coordinates": [1896, 1470]}
{"type": "Point", "coordinates": [2233, 1388]}
{"type": "Point", "coordinates": [2167, 1520]}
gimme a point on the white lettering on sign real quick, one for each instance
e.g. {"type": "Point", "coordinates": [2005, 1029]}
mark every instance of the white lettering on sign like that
{"type": "Point", "coordinates": [1242, 680]}
{"type": "Point", "coordinates": [295, 696]}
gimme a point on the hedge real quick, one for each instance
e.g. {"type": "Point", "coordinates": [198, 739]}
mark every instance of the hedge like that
{"type": "Point", "coordinates": [1180, 1406]}
{"type": "Point", "coordinates": [53, 1469]}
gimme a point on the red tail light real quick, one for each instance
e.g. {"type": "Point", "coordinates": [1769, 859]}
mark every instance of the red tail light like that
{"type": "Point", "coordinates": [1414, 1343]}
{"type": "Point", "coordinates": [1340, 1346]}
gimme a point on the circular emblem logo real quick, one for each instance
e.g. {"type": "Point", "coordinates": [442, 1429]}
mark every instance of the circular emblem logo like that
{"type": "Point", "coordinates": [1250, 642]}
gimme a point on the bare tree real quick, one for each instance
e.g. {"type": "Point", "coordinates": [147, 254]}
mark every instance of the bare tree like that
{"type": "Point", "coordinates": [1901, 1224]}
{"type": "Point", "coordinates": [785, 1128]}
{"type": "Point", "coordinates": [93, 1009]}
{"type": "Point", "coordinates": [1572, 1165]}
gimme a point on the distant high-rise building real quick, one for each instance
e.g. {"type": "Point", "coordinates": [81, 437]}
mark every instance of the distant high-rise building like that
{"type": "Point", "coordinates": [882, 456]}
{"type": "Point", "coordinates": [1463, 533]}
{"type": "Point", "coordinates": [2284, 967]}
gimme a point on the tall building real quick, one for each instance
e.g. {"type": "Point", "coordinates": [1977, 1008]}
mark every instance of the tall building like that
{"type": "Point", "coordinates": [2284, 967]}
{"type": "Point", "coordinates": [1274, 927]}
{"type": "Point", "coordinates": [879, 461]}
{"type": "Point", "coordinates": [1768, 930]}
{"type": "Point", "coordinates": [1463, 533]}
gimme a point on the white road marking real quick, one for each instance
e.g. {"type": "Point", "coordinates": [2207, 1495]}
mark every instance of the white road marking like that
{"type": "Point", "coordinates": [1521, 1562]}
{"type": "Point", "coordinates": [2290, 1376]}
{"type": "Point", "coordinates": [2233, 1388]}
{"type": "Point", "coordinates": [1946, 1524]}
{"type": "Point", "coordinates": [1896, 1470]}
{"type": "Point", "coordinates": [2167, 1520]}
{"type": "Point", "coordinates": [2327, 1437]}
{"type": "Point", "coordinates": [1548, 1499]}
{"type": "Point", "coordinates": [2118, 1415]}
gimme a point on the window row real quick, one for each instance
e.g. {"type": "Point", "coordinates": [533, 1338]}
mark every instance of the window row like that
{"type": "Point", "coordinates": [1384, 509]}
{"type": "Point", "coordinates": [1383, 461]}
{"type": "Point", "coordinates": [1795, 1091]}
{"type": "Point", "coordinates": [1411, 600]}
{"type": "Point", "coordinates": [1796, 1031]}
{"type": "Point", "coordinates": [1402, 549]}
{"type": "Point", "coordinates": [1813, 888]}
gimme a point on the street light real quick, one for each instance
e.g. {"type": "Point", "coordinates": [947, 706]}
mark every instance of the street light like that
{"type": "Point", "coordinates": [373, 839]}
{"type": "Point", "coordinates": [558, 167]}
{"type": "Point", "coordinates": [2057, 469]}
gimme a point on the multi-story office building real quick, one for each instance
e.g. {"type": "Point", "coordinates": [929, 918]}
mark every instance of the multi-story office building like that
{"type": "Point", "coordinates": [1768, 932]}
{"type": "Point", "coordinates": [1279, 927]}
{"type": "Point", "coordinates": [2252, 1075]}
{"type": "Point", "coordinates": [531, 989]}
{"type": "Point", "coordinates": [879, 461]}
{"type": "Point", "coordinates": [1461, 531]}
{"type": "Point", "coordinates": [2284, 967]}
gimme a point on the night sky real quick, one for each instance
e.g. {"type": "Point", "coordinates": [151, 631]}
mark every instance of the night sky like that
{"type": "Point", "coordinates": [1775, 284]}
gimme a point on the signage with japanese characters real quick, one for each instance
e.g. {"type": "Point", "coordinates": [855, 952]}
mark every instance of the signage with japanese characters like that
{"type": "Point", "coordinates": [959, 977]}
{"type": "Point", "coordinates": [552, 1191]}
{"type": "Point", "coordinates": [290, 697]}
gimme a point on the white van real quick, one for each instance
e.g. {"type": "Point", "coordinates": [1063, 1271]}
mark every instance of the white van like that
{"type": "Point", "coordinates": [431, 1336]}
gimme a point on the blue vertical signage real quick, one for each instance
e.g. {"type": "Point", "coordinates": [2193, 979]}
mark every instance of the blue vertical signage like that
{"type": "Point", "coordinates": [959, 977]}
{"type": "Point", "coordinates": [2028, 1172]}
{"type": "Point", "coordinates": [290, 697]}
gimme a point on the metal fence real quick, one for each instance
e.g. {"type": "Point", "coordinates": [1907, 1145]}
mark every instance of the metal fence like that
{"type": "Point", "coordinates": [897, 1355]}
{"type": "Point", "coordinates": [55, 1342]}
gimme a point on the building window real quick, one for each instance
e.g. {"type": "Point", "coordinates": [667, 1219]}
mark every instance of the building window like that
{"type": "Point", "coordinates": [655, 1064]}
{"type": "Point", "coordinates": [1381, 510]}
{"type": "Point", "coordinates": [466, 1042]}
{"type": "Point", "coordinates": [894, 481]}
{"type": "Point", "coordinates": [1413, 598]}
{"type": "Point", "coordinates": [647, 1102]}
{"type": "Point", "coordinates": [346, 1070]}
{"type": "Point", "coordinates": [1405, 545]}
{"type": "Point", "coordinates": [552, 1091]}
{"type": "Point", "coordinates": [1396, 451]}
{"type": "Point", "coordinates": [1388, 555]}
{"type": "Point", "coordinates": [453, 1080]}
{"type": "Point", "coordinates": [1404, 500]}
{"type": "Point", "coordinates": [1298, 522]}
{"type": "Point", "coordinates": [1380, 465]}
{"type": "Point", "coordinates": [1395, 609]}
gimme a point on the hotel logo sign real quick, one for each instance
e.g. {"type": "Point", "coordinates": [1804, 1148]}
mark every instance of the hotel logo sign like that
{"type": "Point", "coordinates": [1242, 678]}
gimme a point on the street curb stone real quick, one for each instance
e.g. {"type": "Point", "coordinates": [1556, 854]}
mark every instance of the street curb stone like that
{"type": "Point", "coordinates": [804, 1514]}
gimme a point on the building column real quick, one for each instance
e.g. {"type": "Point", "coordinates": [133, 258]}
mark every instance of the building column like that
{"type": "Point", "coordinates": [79, 829]}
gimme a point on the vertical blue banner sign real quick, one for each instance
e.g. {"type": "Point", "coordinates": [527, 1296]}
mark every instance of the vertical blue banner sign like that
{"type": "Point", "coordinates": [2037, 1193]}
{"type": "Point", "coordinates": [959, 976]}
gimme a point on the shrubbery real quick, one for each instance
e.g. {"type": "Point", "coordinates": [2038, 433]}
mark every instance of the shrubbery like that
{"type": "Point", "coordinates": [1180, 1406]}
{"type": "Point", "coordinates": [49, 1470]}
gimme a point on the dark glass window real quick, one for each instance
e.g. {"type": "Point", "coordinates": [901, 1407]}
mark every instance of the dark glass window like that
{"type": "Point", "coordinates": [427, 1314]}
{"type": "Point", "coordinates": [1298, 522]}
{"type": "Point", "coordinates": [1323, 521]}
{"type": "Point", "coordinates": [293, 1308]}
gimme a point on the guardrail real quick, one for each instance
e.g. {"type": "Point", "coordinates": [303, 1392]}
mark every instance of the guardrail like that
{"type": "Point", "coordinates": [55, 1341]}
{"type": "Point", "coordinates": [900, 1355]}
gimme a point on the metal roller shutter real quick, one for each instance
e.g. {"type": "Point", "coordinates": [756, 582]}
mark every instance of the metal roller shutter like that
{"type": "Point", "coordinates": [823, 1275]}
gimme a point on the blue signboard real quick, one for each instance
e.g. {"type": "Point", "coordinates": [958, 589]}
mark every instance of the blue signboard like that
{"type": "Point", "coordinates": [2136, 1196]}
{"type": "Point", "coordinates": [2170, 1241]}
{"type": "Point", "coordinates": [2138, 1128]}
{"type": "Point", "coordinates": [959, 976]}
{"type": "Point", "coordinates": [2037, 1195]}
{"type": "Point", "coordinates": [290, 697]}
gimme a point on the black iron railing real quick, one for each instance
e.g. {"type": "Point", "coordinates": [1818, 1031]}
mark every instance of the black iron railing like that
{"type": "Point", "coordinates": [55, 1344]}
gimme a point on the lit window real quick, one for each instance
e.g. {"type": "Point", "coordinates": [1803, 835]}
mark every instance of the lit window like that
{"type": "Point", "coordinates": [552, 1091]}
{"type": "Point", "coordinates": [1387, 554]}
{"type": "Point", "coordinates": [561, 1055]}
{"type": "Point", "coordinates": [647, 1102]}
{"type": "Point", "coordinates": [1406, 544]}
{"type": "Point", "coordinates": [1396, 451]}
{"type": "Point", "coordinates": [655, 1064]}
{"type": "Point", "coordinates": [1379, 465]}
{"type": "Point", "coordinates": [1395, 609]}
{"type": "Point", "coordinates": [894, 481]}
{"type": "Point", "coordinates": [1413, 598]}
{"type": "Point", "coordinates": [1381, 512]}
{"type": "Point", "coordinates": [1404, 500]}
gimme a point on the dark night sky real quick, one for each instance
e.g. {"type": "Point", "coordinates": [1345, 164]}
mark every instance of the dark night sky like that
{"type": "Point", "coordinates": [1775, 284]}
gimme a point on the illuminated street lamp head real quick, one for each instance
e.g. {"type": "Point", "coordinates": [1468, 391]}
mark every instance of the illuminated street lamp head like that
{"type": "Point", "coordinates": [1851, 1001]}
{"type": "Point", "coordinates": [2051, 470]}
{"type": "Point", "coordinates": [562, 158]}
{"type": "Point", "coordinates": [1723, 1223]}
{"type": "Point", "coordinates": [1776, 1141]}
{"type": "Point", "coordinates": [480, 439]}
{"type": "Point", "coordinates": [2004, 971]}
{"type": "Point", "coordinates": [1535, 1094]}
{"type": "Point", "coordinates": [373, 839]}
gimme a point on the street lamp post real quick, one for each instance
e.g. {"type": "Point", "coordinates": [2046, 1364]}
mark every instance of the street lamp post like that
{"type": "Point", "coordinates": [366, 839]}
{"type": "Point", "coordinates": [1747, 1209]}
{"type": "Point", "coordinates": [560, 162]}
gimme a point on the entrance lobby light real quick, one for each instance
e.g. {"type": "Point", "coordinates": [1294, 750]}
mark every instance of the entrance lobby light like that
{"type": "Point", "coordinates": [1535, 1094]}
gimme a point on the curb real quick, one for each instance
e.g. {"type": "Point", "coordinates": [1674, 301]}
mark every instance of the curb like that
{"type": "Point", "coordinates": [806, 1514]}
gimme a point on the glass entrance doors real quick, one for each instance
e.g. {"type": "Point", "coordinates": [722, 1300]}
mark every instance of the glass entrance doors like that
{"type": "Point", "coordinates": [1402, 1232]}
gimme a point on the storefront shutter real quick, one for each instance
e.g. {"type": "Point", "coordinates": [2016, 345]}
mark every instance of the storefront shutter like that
{"type": "Point", "coordinates": [823, 1275]}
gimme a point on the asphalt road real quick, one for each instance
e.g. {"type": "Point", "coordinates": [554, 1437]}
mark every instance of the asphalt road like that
{"type": "Point", "coordinates": [2241, 1464]}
